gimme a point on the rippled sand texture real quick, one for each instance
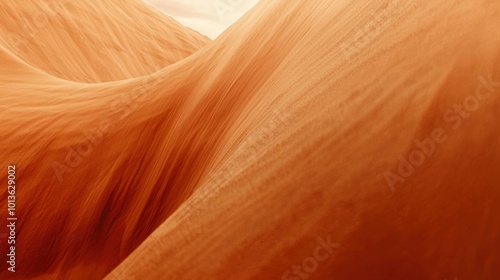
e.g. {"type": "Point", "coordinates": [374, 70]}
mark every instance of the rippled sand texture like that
{"type": "Point", "coordinates": [238, 155]}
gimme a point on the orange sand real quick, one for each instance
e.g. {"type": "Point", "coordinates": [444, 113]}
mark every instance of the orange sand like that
{"type": "Point", "coordinates": [305, 121]}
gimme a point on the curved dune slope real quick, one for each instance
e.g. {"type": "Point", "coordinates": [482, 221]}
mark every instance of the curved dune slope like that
{"type": "Point", "coordinates": [358, 84]}
{"type": "Point", "coordinates": [94, 41]}
{"type": "Point", "coordinates": [368, 128]}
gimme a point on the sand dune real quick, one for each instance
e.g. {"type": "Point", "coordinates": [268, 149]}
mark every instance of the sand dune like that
{"type": "Point", "coordinates": [312, 140]}
{"type": "Point", "coordinates": [95, 41]}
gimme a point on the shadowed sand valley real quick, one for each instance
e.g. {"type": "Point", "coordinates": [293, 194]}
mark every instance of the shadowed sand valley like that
{"type": "Point", "coordinates": [311, 140]}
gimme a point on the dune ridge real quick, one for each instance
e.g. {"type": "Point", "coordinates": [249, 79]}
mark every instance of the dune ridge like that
{"type": "Point", "coordinates": [75, 41]}
{"type": "Point", "coordinates": [236, 156]}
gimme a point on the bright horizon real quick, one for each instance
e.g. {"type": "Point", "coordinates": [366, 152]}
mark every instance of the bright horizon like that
{"type": "Point", "coordinates": [210, 17]}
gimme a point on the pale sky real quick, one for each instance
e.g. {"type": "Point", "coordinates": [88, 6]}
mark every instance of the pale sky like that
{"type": "Point", "coordinates": [209, 17]}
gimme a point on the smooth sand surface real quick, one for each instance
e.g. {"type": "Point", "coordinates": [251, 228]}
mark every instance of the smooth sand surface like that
{"type": "Point", "coordinates": [367, 125]}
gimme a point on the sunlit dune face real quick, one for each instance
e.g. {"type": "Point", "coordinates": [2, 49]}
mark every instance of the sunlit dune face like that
{"type": "Point", "coordinates": [209, 17]}
{"type": "Point", "coordinates": [314, 139]}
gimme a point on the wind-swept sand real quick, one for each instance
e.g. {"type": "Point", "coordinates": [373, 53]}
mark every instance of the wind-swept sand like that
{"type": "Point", "coordinates": [367, 125]}
{"type": "Point", "coordinates": [94, 41]}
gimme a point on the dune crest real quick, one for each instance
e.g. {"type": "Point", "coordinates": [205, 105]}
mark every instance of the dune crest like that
{"type": "Point", "coordinates": [236, 160]}
{"type": "Point", "coordinates": [95, 41]}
